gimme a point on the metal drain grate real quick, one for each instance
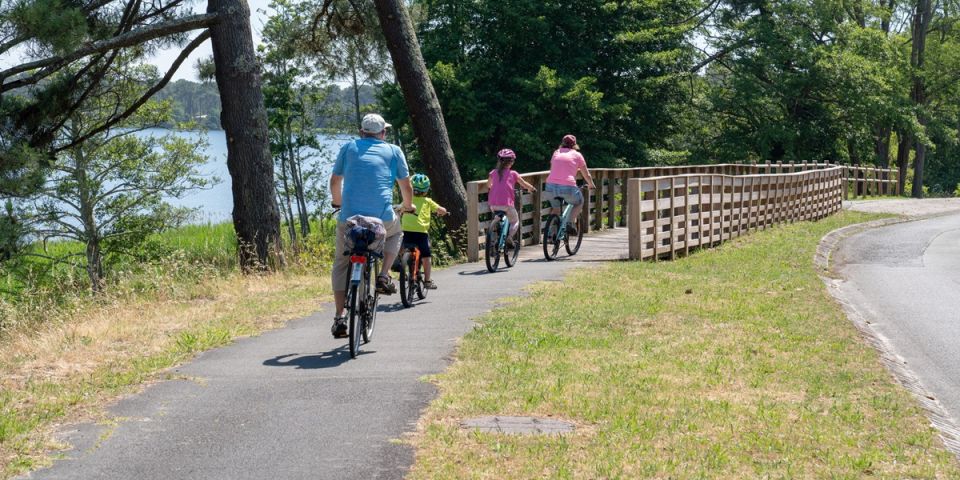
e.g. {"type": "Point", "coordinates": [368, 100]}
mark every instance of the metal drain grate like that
{"type": "Point", "coordinates": [518, 425]}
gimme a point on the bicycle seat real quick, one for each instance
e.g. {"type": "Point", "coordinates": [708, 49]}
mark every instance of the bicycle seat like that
{"type": "Point", "coordinates": [499, 213]}
{"type": "Point", "coordinates": [559, 199]}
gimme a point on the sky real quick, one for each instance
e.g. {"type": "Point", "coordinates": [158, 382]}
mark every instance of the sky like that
{"type": "Point", "coordinates": [165, 58]}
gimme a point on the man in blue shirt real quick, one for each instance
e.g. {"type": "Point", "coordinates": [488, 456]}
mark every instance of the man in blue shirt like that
{"type": "Point", "coordinates": [362, 184]}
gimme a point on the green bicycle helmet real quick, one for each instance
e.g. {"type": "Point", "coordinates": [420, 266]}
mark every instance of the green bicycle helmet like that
{"type": "Point", "coordinates": [421, 183]}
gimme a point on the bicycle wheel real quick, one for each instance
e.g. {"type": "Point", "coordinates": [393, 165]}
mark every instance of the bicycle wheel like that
{"type": "Point", "coordinates": [373, 301]}
{"type": "Point", "coordinates": [511, 256]}
{"type": "Point", "coordinates": [406, 280]}
{"type": "Point", "coordinates": [492, 256]}
{"type": "Point", "coordinates": [575, 247]}
{"type": "Point", "coordinates": [356, 317]}
{"type": "Point", "coordinates": [421, 290]}
{"type": "Point", "coordinates": [551, 245]}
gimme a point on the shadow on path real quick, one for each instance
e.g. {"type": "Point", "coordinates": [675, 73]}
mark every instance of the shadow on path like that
{"type": "Point", "coordinates": [331, 359]}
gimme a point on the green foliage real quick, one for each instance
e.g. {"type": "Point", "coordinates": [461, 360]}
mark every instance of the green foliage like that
{"type": "Point", "coordinates": [801, 82]}
{"type": "Point", "coordinates": [522, 74]}
{"type": "Point", "coordinates": [57, 24]}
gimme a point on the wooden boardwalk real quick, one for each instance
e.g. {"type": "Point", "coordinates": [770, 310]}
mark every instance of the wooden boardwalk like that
{"type": "Point", "coordinates": [598, 246]}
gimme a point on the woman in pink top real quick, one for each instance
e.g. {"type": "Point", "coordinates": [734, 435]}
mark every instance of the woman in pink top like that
{"type": "Point", "coordinates": [501, 183]}
{"type": "Point", "coordinates": [562, 182]}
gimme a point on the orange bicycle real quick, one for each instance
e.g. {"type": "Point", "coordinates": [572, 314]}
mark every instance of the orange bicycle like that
{"type": "Point", "coordinates": [411, 275]}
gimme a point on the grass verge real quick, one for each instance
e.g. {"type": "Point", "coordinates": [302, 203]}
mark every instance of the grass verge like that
{"type": "Point", "coordinates": [731, 363]}
{"type": "Point", "coordinates": [66, 369]}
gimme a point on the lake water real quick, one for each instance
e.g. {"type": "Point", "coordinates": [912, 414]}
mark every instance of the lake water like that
{"type": "Point", "coordinates": [215, 204]}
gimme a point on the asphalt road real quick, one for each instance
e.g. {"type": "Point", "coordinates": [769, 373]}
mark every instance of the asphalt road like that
{"type": "Point", "coordinates": [291, 404]}
{"type": "Point", "coordinates": [905, 280]}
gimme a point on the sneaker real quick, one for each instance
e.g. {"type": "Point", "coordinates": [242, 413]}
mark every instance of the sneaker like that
{"type": "Point", "coordinates": [571, 230]}
{"type": "Point", "coordinates": [339, 329]}
{"type": "Point", "coordinates": [385, 285]}
{"type": "Point", "coordinates": [429, 285]}
{"type": "Point", "coordinates": [509, 242]}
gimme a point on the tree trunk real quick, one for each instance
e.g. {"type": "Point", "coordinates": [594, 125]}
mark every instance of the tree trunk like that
{"type": "Point", "coordinates": [882, 147]}
{"type": "Point", "coordinates": [922, 17]}
{"type": "Point", "coordinates": [426, 115]}
{"type": "Point", "coordinates": [356, 87]}
{"type": "Point", "coordinates": [95, 264]}
{"type": "Point", "coordinates": [291, 228]}
{"type": "Point", "coordinates": [256, 217]}
{"type": "Point", "coordinates": [854, 157]}
{"type": "Point", "coordinates": [918, 160]}
{"type": "Point", "coordinates": [297, 174]}
{"type": "Point", "coordinates": [903, 156]}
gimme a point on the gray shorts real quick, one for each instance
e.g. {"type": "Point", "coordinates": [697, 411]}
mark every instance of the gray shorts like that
{"type": "Point", "coordinates": [568, 193]}
{"type": "Point", "coordinates": [341, 262]}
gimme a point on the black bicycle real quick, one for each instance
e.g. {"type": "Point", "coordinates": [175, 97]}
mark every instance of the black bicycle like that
{"type": "Point", "coordinates": [362, 296]}
{"type": "Point", "coordinates": [557, 231]}
{"type": "Point", "coordinates": [497, 242]}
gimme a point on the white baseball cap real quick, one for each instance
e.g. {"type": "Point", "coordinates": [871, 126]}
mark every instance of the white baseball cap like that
{"type": "Point", "coordinates": [373, 123]}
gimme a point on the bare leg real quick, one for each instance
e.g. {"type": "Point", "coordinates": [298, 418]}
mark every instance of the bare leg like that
{"type": "Point", "coordinates": [426, 268]}
{"type": "Point", "coordinates": [575, 213]}
{"type": "Point", "coordinates": [340, 300]}
{"type": "Point", "coordinates": [388, 258]}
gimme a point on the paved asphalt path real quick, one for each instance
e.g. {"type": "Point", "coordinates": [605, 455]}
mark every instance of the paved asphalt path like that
{"type": "Point", "coordinates": [291, 404]}
{"type": "Point", "coordinates": [905, 280]}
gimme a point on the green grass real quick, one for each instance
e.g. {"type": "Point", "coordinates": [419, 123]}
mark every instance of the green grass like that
{"type": "Point", "coordinates": [731, 363]}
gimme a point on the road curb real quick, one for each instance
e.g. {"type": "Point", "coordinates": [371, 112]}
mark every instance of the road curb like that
{"type": "Point", "coordinates": [938, 416]}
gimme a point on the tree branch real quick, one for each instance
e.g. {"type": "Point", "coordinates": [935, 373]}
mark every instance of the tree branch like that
{"type": "Point", "coordinates": [711, 58]}
{"type": "Point", "coordinates": [146, 96]}
{"type": "Point", "coordinates": [135, 37]}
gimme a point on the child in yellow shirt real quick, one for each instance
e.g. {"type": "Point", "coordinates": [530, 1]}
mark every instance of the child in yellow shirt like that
{"type": "Point", "coordinates": [417, 225]}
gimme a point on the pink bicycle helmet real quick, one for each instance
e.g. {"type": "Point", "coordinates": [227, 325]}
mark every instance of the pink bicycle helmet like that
{"type": "Point", "coordinates": [506, 153]}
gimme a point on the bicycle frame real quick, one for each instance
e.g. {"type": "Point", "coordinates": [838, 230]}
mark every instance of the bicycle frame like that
{"type": "Point", "coordinates": [416, 261]}
{"type": "Point", "coordinates": [504, 230]}
{"type": "Point", "coordinates": [564, 220]}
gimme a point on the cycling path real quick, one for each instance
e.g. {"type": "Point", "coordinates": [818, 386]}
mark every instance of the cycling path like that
{"type": "Point", "coordinates": [902, 282]}
{"type": "Point", "coordinates": [291, 404]}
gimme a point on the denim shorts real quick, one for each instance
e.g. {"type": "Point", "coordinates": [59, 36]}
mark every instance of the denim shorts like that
{"type": "Point", "coordinates": [569, 193]}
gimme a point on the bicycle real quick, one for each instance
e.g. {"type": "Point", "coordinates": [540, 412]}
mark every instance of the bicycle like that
{"type": "Point", "coordinates": [556, 232]}
{"type": "Point", "coordinates": [497, 242]}
{"type": "Point", "coordinates": [411, 276]}
{"type": "Point", "coordinates": [362, 296]}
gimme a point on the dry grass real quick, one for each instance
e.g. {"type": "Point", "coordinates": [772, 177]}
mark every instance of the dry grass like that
{"type": "Point", "coordinates": [67, 369]}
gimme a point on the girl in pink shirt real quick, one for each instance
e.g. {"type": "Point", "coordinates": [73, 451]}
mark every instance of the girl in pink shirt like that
{"type": "Point", "coordinates": [501, 183]}
{"type": "Point", "coordinates": [562, 182]}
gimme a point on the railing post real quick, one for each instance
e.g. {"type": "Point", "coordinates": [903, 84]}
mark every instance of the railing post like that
{"type": "Point", "coordinates": [537, 201]}
{"type": "Point", "coordinates": [585, 211]}
{"type": "Point", "coordinates": [598, 203]}
{"type": "Point", "coordinates": [612, 199]}
{"type": "Point", "coordinates": [473, 222]}
{"type": "Point", "coordinates": [673, 221]}
{"type": "Point", "coordinates": [634, 195]}
{"type": "Point", "coordinates": [656, 219]}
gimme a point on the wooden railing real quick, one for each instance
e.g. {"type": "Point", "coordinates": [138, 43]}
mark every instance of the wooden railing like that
{"type": "Point", "coordinates": [672, 214]}
{"type": "Point", "coordinates": [606, 207]}
{"type": "Point", "coordinates": [862, 181]}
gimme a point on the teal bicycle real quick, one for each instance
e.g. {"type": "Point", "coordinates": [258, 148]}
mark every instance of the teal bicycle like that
{"type": "Point", "coordinates": [497, 242]}
{"type": "Point", "coordinates": [557, 230]}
